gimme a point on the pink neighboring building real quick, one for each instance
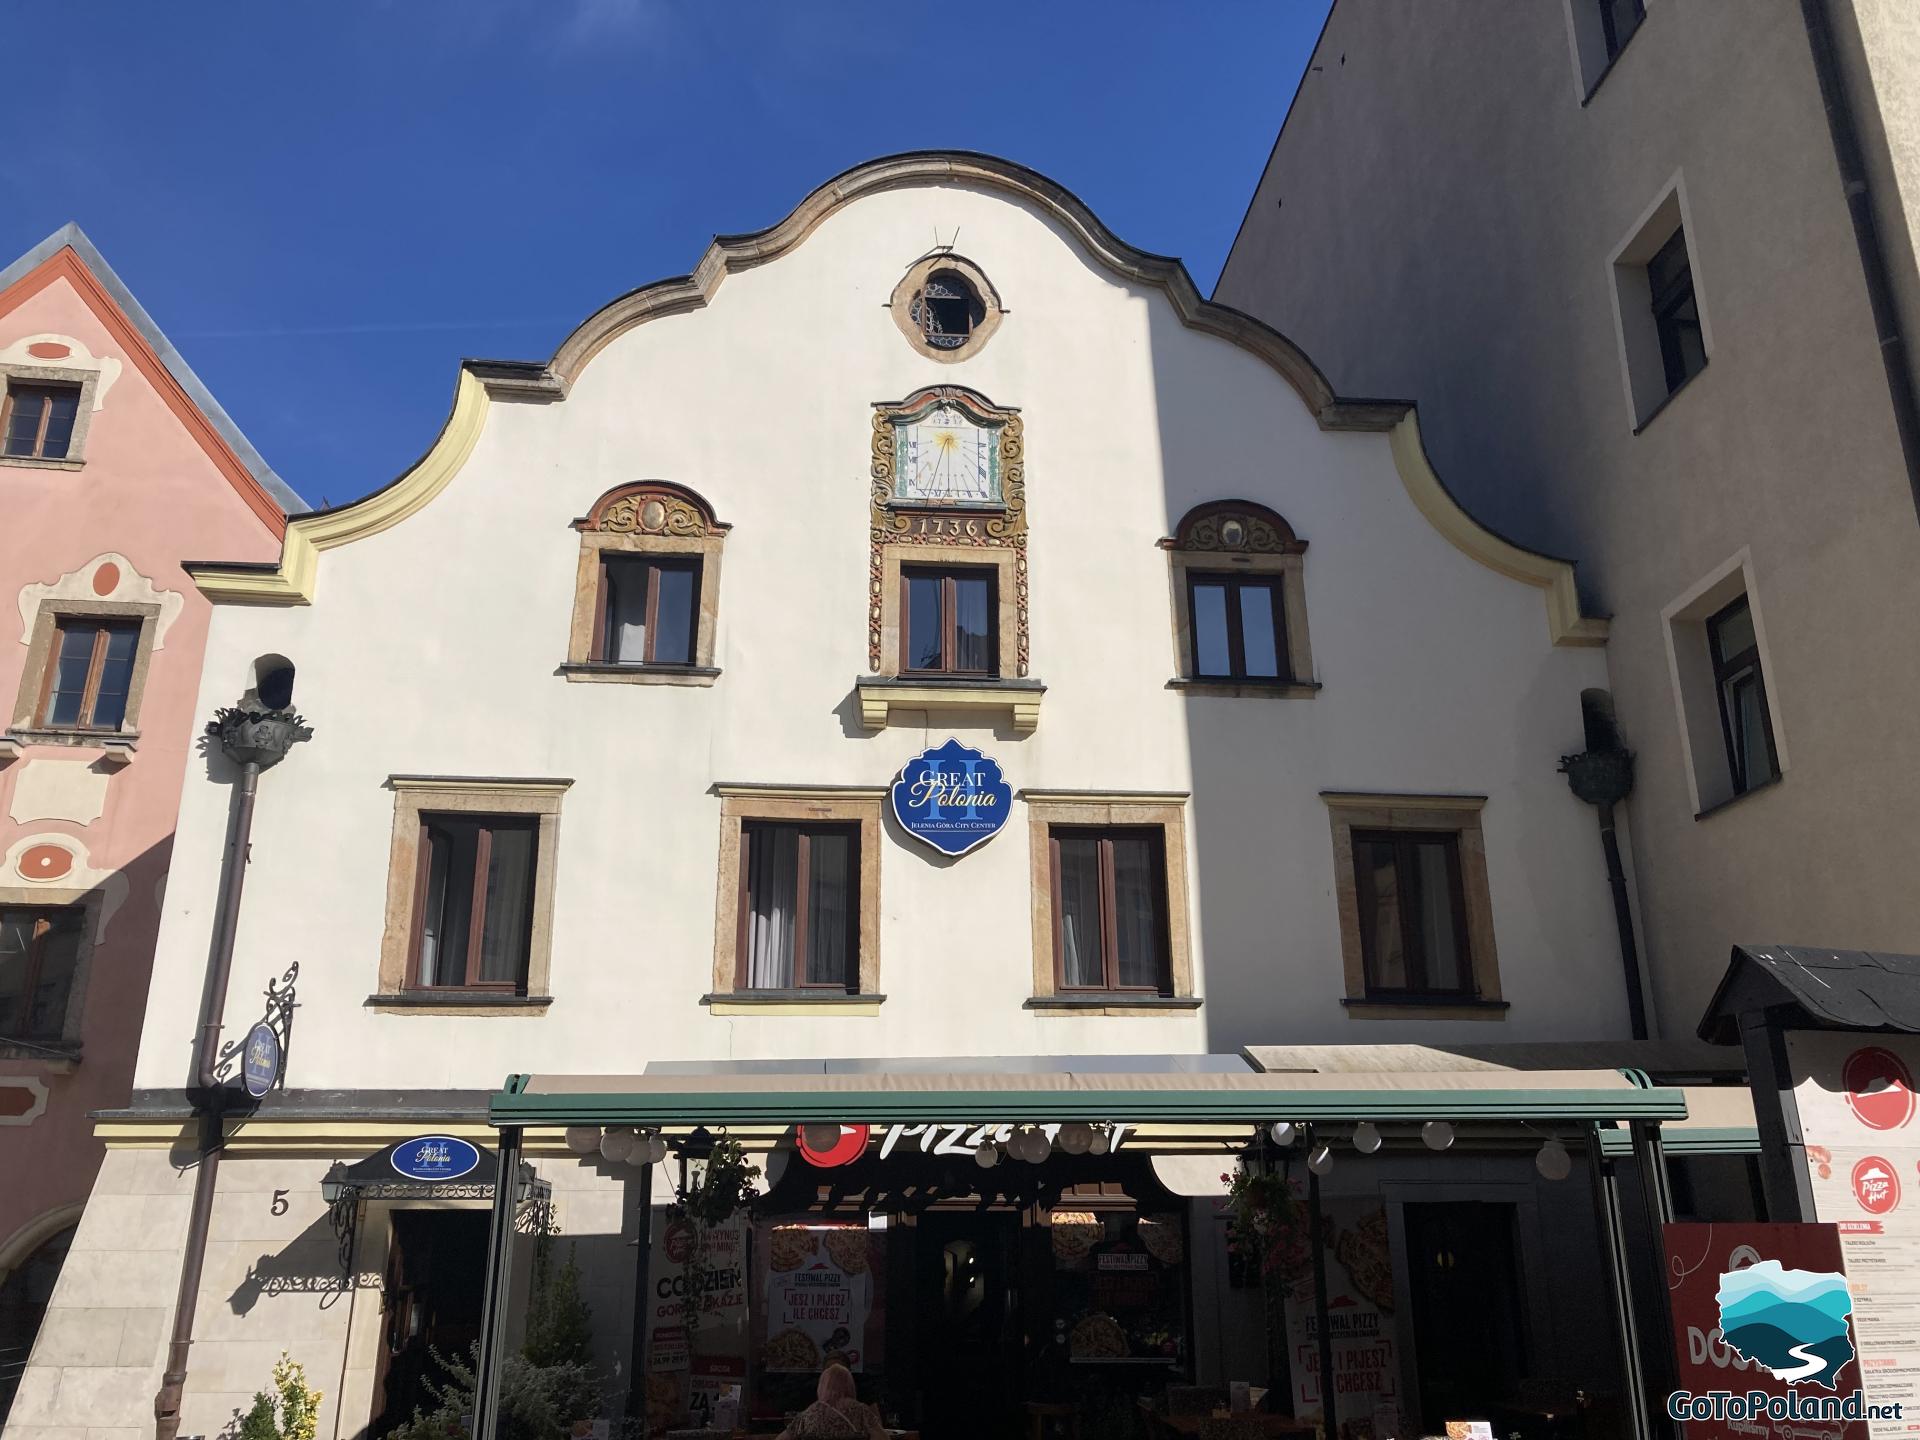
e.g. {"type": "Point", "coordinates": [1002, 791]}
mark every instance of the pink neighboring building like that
{"type": "Point", "coordinates": [116, 466]}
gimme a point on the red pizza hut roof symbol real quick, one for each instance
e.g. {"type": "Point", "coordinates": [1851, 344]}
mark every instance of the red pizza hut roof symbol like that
{"type": "Point", "coordinates": [1879, 1088]}
{"type": "Point", "coordinates": [1875, 1185]}
{"type": "Point", "coordinates": [851, 1145]}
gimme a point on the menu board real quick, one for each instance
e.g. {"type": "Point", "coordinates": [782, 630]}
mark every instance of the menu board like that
{"type": "Point", "coordinates": [1119, 1280]}
{"type": "Point", "coordinates": [1366, 1367]}
{"type": "Point", "coordinates": [1857, 1113]}
{"type": "Point", "coordinates": [821, 1305]}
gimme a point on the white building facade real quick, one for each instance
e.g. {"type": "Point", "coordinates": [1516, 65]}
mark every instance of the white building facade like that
{"type": "Point", "coordinates": [608, 692]}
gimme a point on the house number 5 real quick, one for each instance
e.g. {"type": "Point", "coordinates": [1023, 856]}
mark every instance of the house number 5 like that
{"type": "Point", "coordinates": [279, 1206]}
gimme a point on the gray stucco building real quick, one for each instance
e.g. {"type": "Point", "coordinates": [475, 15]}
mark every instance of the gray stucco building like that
{"type": "Point", "coordinates": [1609, 249]}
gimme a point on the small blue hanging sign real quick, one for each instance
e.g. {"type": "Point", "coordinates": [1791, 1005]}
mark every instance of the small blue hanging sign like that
{"type": "Point", "coordinates": [952, 798]}
{"type": "Point", "coordinates": [260, 1060]}
{"type": "Point", "coordinates": [434, 1157]}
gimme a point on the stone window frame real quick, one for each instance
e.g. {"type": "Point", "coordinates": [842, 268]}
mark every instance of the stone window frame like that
{"type": "Point", "coordinates": [900, 305]}
{"type": "Point", "coordinates": [1205, 541]}
{"type": "Point", "coordinates": [861, 806]}
{"type": "Point", "coordinates": [26, 724]}
{"type": "Point", "coordinates": [1165, 811]}
{"type": "Point", "coordinates": [1696, 702]}
{"type": "Point", "coordinates": [1459, 815]}
{"type": "Point", "coordinates": [89, 900]}
{"type": "Point", "coordinates": [415, 796]}
{"type": "Point", "coordinates": [647, 517]}
{"type": "Point", "coordinates": [1006, 636]}
{"type": "Point", "coordinates": [89, 382]}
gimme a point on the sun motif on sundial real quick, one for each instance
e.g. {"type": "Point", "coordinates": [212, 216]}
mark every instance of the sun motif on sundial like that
{"type": "Point", "coordinates": [945, 457]}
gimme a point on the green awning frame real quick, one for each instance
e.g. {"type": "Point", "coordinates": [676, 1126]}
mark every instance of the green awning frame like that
{"type": "Point", "coordinates": [1688, 1140]}
{"type": "Point", "coordinates": [1192, 1103]}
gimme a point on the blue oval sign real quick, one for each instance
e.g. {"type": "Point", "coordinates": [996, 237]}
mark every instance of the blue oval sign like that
{"type": "Point", "coordinates": [260, 1060]}
{"type": "Point", "coordinates": [952, 798]}
{"type": "Point", "coordinates": [434, 1157]}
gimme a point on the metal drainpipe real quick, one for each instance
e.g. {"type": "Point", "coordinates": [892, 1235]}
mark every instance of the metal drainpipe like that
{"type": "Point", "coordinates": [258, 741]}
{"type": "Point", "coordinates": [1866, 237]}
{"type": "Point", "coordinates": [1602, 776]}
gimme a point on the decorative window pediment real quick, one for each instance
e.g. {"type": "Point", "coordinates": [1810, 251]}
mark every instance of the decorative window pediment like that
{"type": "Point", "coordinates": [651, 507]}
{"type": "Point", "coordinates": [647, 592]}
{"type": "Point", "coordinates": [1239, 602]}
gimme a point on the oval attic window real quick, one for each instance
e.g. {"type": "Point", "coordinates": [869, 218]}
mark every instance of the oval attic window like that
{"type": "Point", "coordinates": [947, 309]}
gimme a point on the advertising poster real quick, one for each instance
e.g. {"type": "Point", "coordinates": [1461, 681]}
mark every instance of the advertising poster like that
{"type": "Point", "coordinates": [717, 1288]}
{"type": "Point", "coordinates": [1723, 1334]}
{"type": "Point", "coordinates": [1366, 1363]}
{"type": "Point", "coordinates": [1118, 1284]}
{"type": "Point", "coordinates": [1857, 1112]}
{"type": "Point", "coordinates": [820, 1298]}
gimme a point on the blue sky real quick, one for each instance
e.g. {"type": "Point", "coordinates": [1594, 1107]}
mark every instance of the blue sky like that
{"type": "Point", "coordinates": [327, 206]}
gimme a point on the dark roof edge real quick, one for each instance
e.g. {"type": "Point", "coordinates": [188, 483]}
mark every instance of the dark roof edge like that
{"type": "Point", "coordinates": [71, 235]}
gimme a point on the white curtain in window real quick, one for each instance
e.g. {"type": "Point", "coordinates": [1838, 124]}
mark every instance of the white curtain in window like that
{"type": "Point", "coordinates": [773, 866]}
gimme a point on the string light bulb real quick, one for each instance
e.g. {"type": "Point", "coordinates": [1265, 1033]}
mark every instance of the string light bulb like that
{"type": "Point", "coordinates": [1436, 1134]}
{"type": "Point", "coordinates": [1553, 1162]}
{"type": "Point", "coordinates": [1366, 1137]}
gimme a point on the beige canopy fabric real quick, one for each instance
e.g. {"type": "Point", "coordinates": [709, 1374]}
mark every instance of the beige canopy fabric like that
{"type": "Point", "coordinates": [1390, 1090]}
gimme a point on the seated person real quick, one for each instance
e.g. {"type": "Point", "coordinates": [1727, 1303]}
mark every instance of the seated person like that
{"type": "Point", "coordinates": [836, 1415]}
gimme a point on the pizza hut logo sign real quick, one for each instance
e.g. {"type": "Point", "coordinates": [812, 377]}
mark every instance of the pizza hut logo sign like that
{"type": "Point", "coordinates": [1875, 1185]}
{"type": "Point", "coordinates": [1879, 1089]}
{"type": "Point", "coordinates": [678, 1242]}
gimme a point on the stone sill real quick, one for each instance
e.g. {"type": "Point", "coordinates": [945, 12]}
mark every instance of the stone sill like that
{"type": "Point", "coordinates": [1247, 689]}
{"type": "Point", "coordinates": [1732, 800]}
{"type": "Point", "coordinates": [456, 1002]}
{"type": "Point", "coordinates": [1671, 396]}
{"type": "Point", "coordinates": [1425, 1008]}
{"type": "Point", "coordinates": [57, 1057]}
{"type": "Point", "coordinates": [1111, 1003]}
{"type": "Point", "coordinates": [118, 745]}
{"type": "Point", "coordinates": [596, 672]}
{"type": "Point", "coordinates": [881, 695]}
{"type": "Point", "coordinates": [41, 462]}
{"type": "Point", "coordinates": [792, 1002]}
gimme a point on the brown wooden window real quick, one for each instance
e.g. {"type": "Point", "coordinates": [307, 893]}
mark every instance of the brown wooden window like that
{"type": "Point", "coordinates": [1746, 724]}
{"type": "Point", "coordinates": [39, 952]}
{"type": "Point", "coordinates": [947, 625]}
{"type": "Point", "coordinates": [473, 911]}
{"type": "Point", "coordinates": [37, 420]}
{"type": "Point", "coordinates": [1413, 913]}
{"type": "Point", "coordinates": [1239, 627]}
{"type": "Point", "coordinates": [799, 907]}
{"type": "Point", "coordinates": [89, 674]}
{"type": "Point", "coordinates": [1110, 908]}
{"type": "Point", "coordinates": [649, 611]}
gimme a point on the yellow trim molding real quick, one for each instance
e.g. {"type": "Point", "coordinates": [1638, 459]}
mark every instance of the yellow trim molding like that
{"type": "Point", "coordinates": [1565, 623]}
{"type": "Point", "coordinates": [878, 702]}
{"type": "Point", "coordinates": [295, 579]}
